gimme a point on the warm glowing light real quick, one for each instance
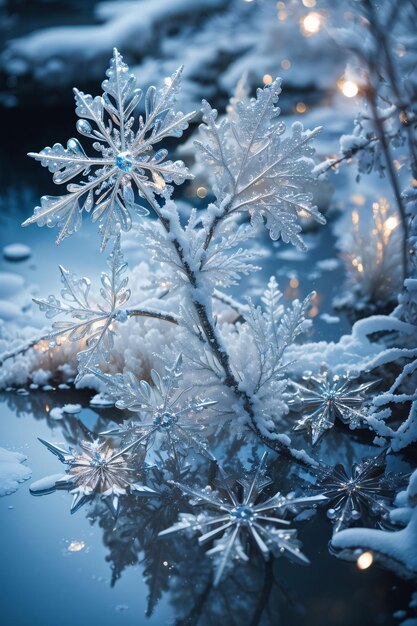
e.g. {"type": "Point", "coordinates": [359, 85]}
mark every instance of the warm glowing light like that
{"type": "Point", "coordinates": [76, 546]}
{"type": "Point", "coordinates": [311, 23]}
{"type": "Point", "coordinates": [267, 79]}
{"type": "Point", "coordinates": [300, 107]}
{"type": "Point", "coordinates": [282, 15]}
{"type": "Point", "coordinates": [355, 217]}
{"type": "Point", "coordinates": [294, 282]}
{"type": "Point", "coordinates": [358, 198]}
{"type": "Point", "coordinates": [281, 5]}
{"type": "Point", "coordinates": [360, 268]}
{"type": "Point", "coordinates": [348, 88]}
{"type": "Point", "coordinates": [201, 192]}
{"type": "Point", "coordinates": [391, 223]}
{"type": "Point", "coordinates": [309, 3]}
{"type": "Point", "coordinates": [313, 312]}
{"type": "Point", "coordinates": [365, 560]}
{"type": "Point", "coordinates": [285, 64]}
{"type": "Point", "coordinates": [404, 117]}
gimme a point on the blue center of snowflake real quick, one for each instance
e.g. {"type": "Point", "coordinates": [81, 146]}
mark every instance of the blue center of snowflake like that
{"type": "Point", "coordinates": [124, 161]}
{"type": "Point", "coordinates": [165, 420]}
{"type": "Point", "coordinates": [243, 514]}
{"type": "Point", "coordinates": [97, 460]}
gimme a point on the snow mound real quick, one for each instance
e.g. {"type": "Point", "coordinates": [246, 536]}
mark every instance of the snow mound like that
{"type": "Point", "coordinates": [12, 472]}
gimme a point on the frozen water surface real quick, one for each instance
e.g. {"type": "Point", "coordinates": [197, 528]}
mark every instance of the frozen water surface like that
{"type": "Point", "coordinates": [59, 563]}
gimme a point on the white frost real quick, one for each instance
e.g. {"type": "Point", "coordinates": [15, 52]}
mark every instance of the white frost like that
{"type": "Point", "coordinates": [12, 472]}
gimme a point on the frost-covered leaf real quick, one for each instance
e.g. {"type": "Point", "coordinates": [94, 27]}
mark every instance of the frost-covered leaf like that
{"type": "Point", "coordinates": [258, 166]}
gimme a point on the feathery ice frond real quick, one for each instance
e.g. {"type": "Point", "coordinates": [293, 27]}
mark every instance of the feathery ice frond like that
{"type": "Point", "coordinates": [271, 330]}
{"type": "Point", "coordinates": [167, 403]}
{"type": "Point", "coordinates": [127, 171]}
{"type": "Point", "coordinates": [235, 513]}
{"type": "Point", "coordinates": [258, 167]}
{"type": "Point", "coordinates": [86, 319]}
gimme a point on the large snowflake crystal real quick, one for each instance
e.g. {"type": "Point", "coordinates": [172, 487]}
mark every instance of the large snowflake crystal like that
{"type": "Point", "coordinates": [126, 160]}
{"type": "Point", "coordinates": [84, 319]}
{"type": "Point", "coordinates": [96, 470]}
{"type": "Point", "coordinates": [329, 397]}
{"type": "Point", "coordinates": [173, 414]}
{"type": "Point", "coordinates": [237, 513]}
{"type": "Point", "coordinates": [366, 490]}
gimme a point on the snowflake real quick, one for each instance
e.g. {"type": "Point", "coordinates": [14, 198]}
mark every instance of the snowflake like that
{"type": "Point", "coordinates": [127, 159]}
{"type": "Point", "coordinates": [238, 513]}
{"type": "Point", "coordinates": [329, 397]}
{"type": "Point", "coordinates": [97, 470]}
{"type": "Point", "coordinates": [367, 489]}
{"type": "Point", "coordinates": [172, 416]}
{"type": "Point", "coordinates": [87, 320]}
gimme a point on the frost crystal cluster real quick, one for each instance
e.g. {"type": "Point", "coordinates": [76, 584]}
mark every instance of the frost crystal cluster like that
{"type": "Point", "coordinates": [227, 368]}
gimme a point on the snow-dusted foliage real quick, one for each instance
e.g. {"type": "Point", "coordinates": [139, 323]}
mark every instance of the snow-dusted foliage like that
{"type": "Point", "coordinates": [212, 372]}
{"type": "Point", "coordinates": [259, 169]}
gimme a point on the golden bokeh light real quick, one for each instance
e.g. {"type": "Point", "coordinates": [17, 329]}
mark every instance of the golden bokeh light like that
{"type": "Point", "coordinates": [365, 560]}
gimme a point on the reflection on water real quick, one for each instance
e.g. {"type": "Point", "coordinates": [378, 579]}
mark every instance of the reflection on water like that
{"type": "Point", "coordinates": [119, 572]}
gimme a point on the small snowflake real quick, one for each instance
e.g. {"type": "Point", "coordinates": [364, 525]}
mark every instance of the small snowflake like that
{"type": "Point", "coordinates": [238, 513]}
{"type": "Point", "coordinates": [172, 414]}
{"type": "Point", "coordinates": [98, 470]}
{"type": "Point", "coordinates": [366, 489]}
{"type": "Point", "coordinates": [329, 397]}
{"type": "Point", "coordinates": [126, 161]}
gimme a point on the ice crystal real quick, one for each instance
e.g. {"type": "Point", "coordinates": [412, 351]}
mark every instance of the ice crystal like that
{"type": "Point", "coordinates": [329, 397]}
{"type": "Point", "coordinates": [86, 320]}
{"type": "Point", "coordinates": [258, 167]}
{"type": "Point", "coordinates": [96, 470]}
{"type": "Point", "coordinates": [236, 513]}
{"type": "Point", "coordinates": [366, 489]}
{"type": "Point", "coordinates": [126, 161]}
{"type": "Point", "coordinates": [165, 405]}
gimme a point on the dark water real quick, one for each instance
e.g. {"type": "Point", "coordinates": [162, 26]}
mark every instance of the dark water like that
{"type": "Point", "coordinates": [44, 583]}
